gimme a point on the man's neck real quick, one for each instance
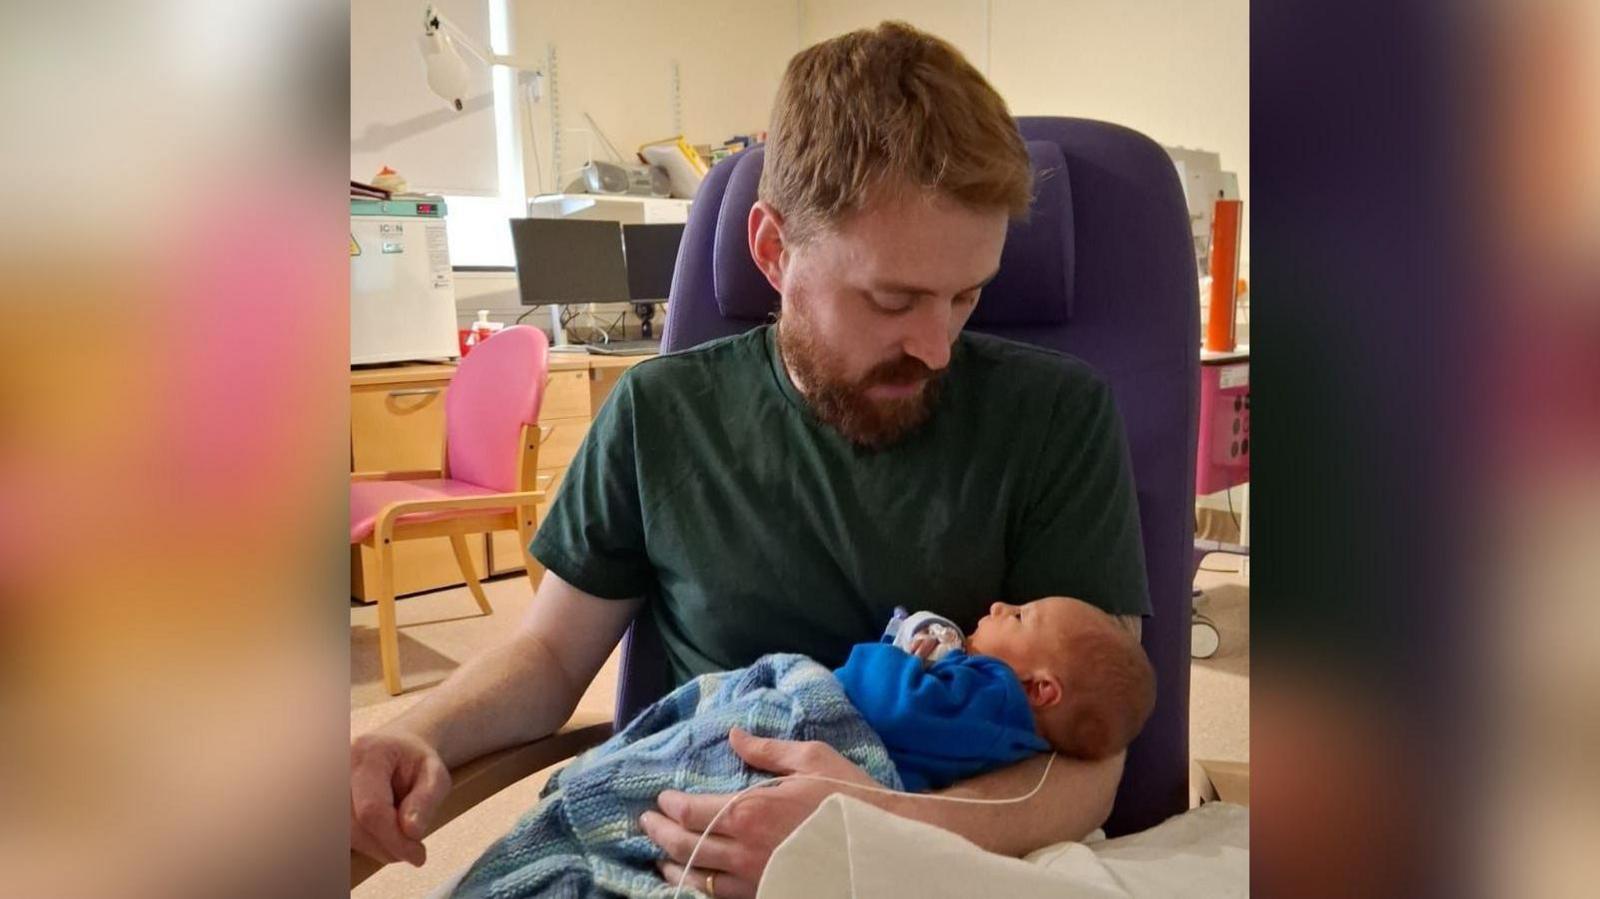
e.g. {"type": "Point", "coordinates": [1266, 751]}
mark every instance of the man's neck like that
{"type": "Point", "coordinates": [788, 370]}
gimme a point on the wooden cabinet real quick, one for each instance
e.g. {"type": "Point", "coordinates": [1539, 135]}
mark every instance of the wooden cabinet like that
{"type": "Point", "coordinates": [397, 423]}
{"type": "Point", "coordinates": [566, 395]}
{"type": "Point", "coordinates": [602, 378]}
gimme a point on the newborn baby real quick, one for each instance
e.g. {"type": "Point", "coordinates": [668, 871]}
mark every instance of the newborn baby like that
{"type": "Point", "coordinates": [922, 709]}
{"type": "Point", "coordinates": [1054, 673]}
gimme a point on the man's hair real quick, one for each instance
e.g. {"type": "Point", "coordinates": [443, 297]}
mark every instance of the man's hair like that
{"type": "Point", "coordinates": [1111, 690]}
{"type": "Point", "coordinates": [888, 109]}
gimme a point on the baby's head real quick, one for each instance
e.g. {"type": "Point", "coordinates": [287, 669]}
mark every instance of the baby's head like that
{"type": "Point", "coordinates": [1087, 679]}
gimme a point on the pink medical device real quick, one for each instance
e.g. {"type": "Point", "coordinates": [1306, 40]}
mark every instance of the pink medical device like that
{"type": "Point", "coordinates": [1223, 459]}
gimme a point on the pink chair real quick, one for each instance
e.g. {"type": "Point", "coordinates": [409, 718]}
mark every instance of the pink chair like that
{"type": "Point", "coordinates": [487, 480]}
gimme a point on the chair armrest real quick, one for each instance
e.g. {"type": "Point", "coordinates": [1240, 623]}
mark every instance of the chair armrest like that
{"type": "Point", "coordinates": [477, 780]}
{"type": "Point", "coordinates": [383, 528]}
{"type": "Point", "coordinates": [412, 475]}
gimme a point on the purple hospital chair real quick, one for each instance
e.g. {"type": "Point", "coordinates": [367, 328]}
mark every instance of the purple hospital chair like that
{"type": "Point", "coordinates": [1104, 270]}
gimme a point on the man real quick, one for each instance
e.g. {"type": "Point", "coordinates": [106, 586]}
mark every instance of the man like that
{"type": "Point", "coordinates": [783, 490]}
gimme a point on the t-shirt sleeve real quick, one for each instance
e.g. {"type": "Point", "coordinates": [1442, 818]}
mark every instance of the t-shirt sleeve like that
{"type": "Point", "coordinates": [1079, 535]}
{"type": "Point", "coordinates": [593, 536]}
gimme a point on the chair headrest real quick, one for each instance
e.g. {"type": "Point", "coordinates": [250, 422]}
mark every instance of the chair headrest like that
{"type": "Point", "coordinates": [742, 290]}
{"type": "Point", "coordinates": [1034, 286]}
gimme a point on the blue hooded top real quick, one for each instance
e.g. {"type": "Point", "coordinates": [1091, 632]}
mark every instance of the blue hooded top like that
{"type": "Point", "coordinates": [961, 716]}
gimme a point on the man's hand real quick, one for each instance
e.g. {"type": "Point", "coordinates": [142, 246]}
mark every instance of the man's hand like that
{"type": "Point", "coordinates": [396, 784]}
{"type": "Point", "coordinates": [517, 691]}
{"type": "Point", "coordinates": [743, 840]}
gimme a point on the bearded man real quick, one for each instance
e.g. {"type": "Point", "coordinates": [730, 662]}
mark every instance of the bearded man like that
{"type": "Point", "coordinates": [784, 489]}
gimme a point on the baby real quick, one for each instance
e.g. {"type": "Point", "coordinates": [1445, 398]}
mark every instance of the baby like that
{"type": "Point", "coordinates": [1055, 673]}
{"type": "Point", "coordinates": [921, 709]}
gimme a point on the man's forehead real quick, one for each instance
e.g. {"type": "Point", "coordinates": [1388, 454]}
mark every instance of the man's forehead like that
{"type": "Point", "coordinates": [916, 246]}
{"type": "Point", "coordinates": [923, 286]}
{"type": "Point", "coordinates": [896, 265]}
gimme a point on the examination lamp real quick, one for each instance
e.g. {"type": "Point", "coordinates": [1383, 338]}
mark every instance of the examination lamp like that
{"type": "Point", "coordinates": [441, 43]}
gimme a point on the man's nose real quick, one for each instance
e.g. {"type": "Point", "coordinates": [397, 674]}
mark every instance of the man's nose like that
{"type": "Point", "coordinates": [929, 338]}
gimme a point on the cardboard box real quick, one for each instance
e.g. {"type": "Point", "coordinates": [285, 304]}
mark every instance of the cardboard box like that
{"type": "Point", "coordinates": [1224, 780]}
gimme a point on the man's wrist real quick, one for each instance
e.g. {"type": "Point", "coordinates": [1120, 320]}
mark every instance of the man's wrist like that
{"type": "Point", "coordinates": [905, 805]}
{"type": "Point", "coordinates": [422, 727]}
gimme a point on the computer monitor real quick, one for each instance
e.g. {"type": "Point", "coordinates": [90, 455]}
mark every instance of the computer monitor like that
{"type": "Point", "coordinates": [569, 261]}
{"type": "Point", "coordinates": [652, 253]}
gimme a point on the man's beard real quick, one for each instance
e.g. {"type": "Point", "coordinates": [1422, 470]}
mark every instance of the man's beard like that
{"type": "Point", "coordinates": [843, 404]}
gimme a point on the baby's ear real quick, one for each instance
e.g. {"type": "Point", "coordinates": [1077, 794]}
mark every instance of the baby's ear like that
{"type": "Point", "coordinates": [1043, 690]}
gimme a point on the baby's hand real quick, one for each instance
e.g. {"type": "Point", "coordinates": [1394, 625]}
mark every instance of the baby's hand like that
{"type": "Point", "coordinates": [923, 645]}
{"type": "Point", "coordinates": [936, 641]}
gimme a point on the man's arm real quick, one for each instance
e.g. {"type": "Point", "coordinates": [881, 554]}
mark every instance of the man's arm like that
{"type": "Point", "coordinates": [528, 686]}
{"type": "Point", "coordinates": [1133, 624]}
{"type": "Point", "coordinates": [519, 691]}
{"type": "Point", "coordinates": [1075, 799]}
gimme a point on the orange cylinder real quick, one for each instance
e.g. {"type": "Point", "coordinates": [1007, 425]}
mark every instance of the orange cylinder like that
{"type": "Point", "coordinates": [1225, 233]}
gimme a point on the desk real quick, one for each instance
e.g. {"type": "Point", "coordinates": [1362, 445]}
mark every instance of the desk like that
{"type": "Point", "coordinates": [397, 423]}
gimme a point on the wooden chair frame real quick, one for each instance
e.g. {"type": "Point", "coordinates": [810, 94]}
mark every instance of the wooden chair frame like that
{"type": "Point", "coordinates": [481, 515]}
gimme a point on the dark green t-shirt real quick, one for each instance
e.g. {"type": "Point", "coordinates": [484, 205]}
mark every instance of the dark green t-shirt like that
{"type": "Point", "coordinates": [707, 487]}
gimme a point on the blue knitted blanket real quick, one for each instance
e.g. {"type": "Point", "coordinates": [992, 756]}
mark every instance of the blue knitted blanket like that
{"type": "Point", "coordinates": [584, 838]}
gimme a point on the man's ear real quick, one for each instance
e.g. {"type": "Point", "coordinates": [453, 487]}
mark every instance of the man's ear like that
{"type": "Point", "coordinates": [1043, 689]}
{"type": "Point", "coordinates": [766, 243]}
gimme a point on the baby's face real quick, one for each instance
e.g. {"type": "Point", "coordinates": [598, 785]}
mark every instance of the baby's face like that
{"type": "Point", "coordinates": [1029, 637]}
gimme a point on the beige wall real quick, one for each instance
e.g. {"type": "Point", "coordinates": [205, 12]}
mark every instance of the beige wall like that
{"type": "Point", "coordinates": [614, 60]}
{"type": "Point", "coordinates": [1177, 70]}
{"type": "Point", "coordinates": [396, 120]}
{"type": "Point", "coordinates": [961, 22]}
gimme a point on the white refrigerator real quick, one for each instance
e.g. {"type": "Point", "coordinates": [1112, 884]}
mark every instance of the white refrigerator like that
{"type": "Point", "coordinates": [402, 291]}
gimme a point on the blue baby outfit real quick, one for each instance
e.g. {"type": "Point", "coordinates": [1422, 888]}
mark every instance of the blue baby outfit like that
{"type": "Point", "coordinates": [962, 715]}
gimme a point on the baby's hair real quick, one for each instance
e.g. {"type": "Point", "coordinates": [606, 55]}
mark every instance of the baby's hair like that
{"type": "Point", "coordinates": [1109, 690]}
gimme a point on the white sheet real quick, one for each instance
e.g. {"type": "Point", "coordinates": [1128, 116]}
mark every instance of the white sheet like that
{"type": "Point", "coordinates": [851, 850]}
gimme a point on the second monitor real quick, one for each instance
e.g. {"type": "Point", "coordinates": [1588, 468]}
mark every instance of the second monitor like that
{"type": "Point", "coordinates": [652, 255]}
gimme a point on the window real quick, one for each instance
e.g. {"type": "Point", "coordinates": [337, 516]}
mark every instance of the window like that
{"type": "Point", "coordinates": [479, 231]}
